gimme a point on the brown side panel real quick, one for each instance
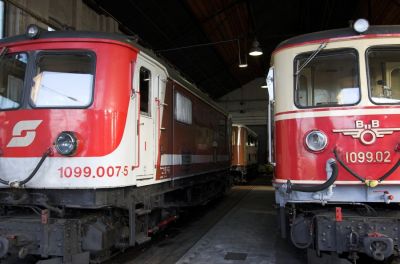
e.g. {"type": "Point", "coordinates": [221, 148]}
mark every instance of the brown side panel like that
{"type": "Point", "coordinates": [166, 132]}
{"type": "Point", "coordinates": [252, 155]}
{"type": "Point", "coordinates": [237, 146]}
{"type": "Point", "coordinates": [197, 148]}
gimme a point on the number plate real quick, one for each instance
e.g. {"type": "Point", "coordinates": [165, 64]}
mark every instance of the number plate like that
{"type": "Point", "coordinates": [368, 157]}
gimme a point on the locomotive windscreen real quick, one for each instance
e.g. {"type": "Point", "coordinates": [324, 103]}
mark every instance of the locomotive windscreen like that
{"type": "Point", "coordinates": [63, 80]}
{"type": "Point", "coordinates": [330, 79]}
{"type": "Point", "coordinates": [384, 75]}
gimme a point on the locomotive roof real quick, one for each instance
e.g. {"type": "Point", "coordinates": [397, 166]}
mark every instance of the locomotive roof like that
{"type": "Point", "coordinates": [172, 71]}
{"type": "Point", "coordinates": [245, 127]}
{"type": "Point", "coordinates": [340, 33]}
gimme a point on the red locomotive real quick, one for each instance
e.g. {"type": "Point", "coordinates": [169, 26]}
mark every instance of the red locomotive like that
{"type": "Point", "coordinates": [100, 143]}
{"type": "Point", "coordinates": [244, 152]}
{"type": "Point", "coordinates": [336, 124]}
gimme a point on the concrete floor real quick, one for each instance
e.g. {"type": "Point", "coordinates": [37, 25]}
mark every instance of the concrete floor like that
{"type": "Point", "coordinates": [247, 234]}
{"type": "Point", "coordinates": [239, 228]}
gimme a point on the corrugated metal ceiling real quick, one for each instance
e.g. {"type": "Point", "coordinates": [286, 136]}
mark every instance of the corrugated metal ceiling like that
{"type": "Point", "coordinates": [166, 25]}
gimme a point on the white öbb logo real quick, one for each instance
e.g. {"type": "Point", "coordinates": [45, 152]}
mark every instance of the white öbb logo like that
{"type": "Point", "coordinates": [367, 133]}
{"type": "Point", "coordinates": [22, 141]}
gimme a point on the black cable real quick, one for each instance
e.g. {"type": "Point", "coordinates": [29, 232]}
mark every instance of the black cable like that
{"type": "Point", "coordinates": [387, 174]}
{"type": "Point", "coordinates": [347, 168]}
{"type": "Point", "coordinates": [292, 237]}
{"type": "Point", "coordinates": [45, 155]}
{"type": "Point", "coordinates": [381, 179]}
{"type": "Point", "coordinates": [33, 173]}
{"type": "Point", "coordinates": [315, 188]}
{"type": "Point", "coordinates": [3, 181]}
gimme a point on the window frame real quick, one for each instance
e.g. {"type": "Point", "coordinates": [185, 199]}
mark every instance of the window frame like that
{"type": "Point", "coordinates": [377, 47]}
{"type": "Point", "coordinates": [149, 101]}
{"type": "Point", "coordinates": [42, 53]}
{"type": "Point", "coordinates": [25, 80]}
{"type": "Point", "coordinates": [175, 108]}
{"type": "Point", "coordinates": [329, 52]}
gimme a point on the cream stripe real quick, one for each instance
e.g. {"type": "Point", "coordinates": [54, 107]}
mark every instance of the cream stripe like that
{"type": "Point", "coordinates": [347, 112]}
{"type": "Point", "coordinates": [280, 181]}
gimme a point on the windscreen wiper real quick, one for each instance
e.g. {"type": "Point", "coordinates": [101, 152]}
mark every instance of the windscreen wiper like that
{"type": "Point", "coordinates": [3, 52]}
{"type": "Point", "coordinates": [312, 56]}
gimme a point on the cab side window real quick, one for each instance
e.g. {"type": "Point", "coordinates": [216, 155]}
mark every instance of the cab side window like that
{"type": "Point", "coordinates": [144, 87]}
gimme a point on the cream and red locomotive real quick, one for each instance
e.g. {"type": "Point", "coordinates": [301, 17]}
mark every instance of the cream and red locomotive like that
{"type": "Point", "coordinates": [335, 101]}
{"type": "Point", "coordinates": [244, 152]}
{"type": "Point", "coordinates": [100, 144]}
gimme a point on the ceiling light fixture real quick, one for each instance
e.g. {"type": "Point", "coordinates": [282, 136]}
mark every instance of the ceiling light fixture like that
{"type": "Point", "coordinates": [255, 49]}
{"type": "Point", "coordinates": [244, 63]}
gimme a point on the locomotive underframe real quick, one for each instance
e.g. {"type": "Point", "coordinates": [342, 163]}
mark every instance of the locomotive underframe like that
{"type": "Point", "coordinates": [241, 174]}
{"type": "Point", "coordinates": [370, 229]}
{"type": "Point", "coordinates": [339, 194]}
{"type": "Point", "coordinates": [375, 235]}
{"type": "Point", "coordinates": [67, 225]}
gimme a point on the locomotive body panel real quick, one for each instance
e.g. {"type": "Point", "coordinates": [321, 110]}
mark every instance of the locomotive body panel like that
{"type": "Point", "coordinates": [367, 158]}
{"type": "Point", "coordinates": [198, 144]}
{"type": "Point", "coordinates": [107, 111]}
{"type": "Point", "coordinates": [244, 152]}
{"type": "Point", "coordinates": [97, 130]}
{"type": "Point", "coordinates": [292, 123]}
{"type": "Point", "coordinates": [244, 146]}
{"type": "Point", "coordinates": [336, 141]}
{"type": "Point", "coordinates": [119, 144]}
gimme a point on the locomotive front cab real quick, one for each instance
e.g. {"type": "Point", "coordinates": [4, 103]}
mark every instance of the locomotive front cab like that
{"type": "Point", "coordinates": [342, 113]}
{"type": "Point", "coordinates": [68, 145]}
{"type": "Point", "coordinates": [336, 103]}
{"type": "Point", "coordinates": [56, 93]}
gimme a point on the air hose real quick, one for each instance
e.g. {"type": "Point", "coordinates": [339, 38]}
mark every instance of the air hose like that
{"type": "Point", "coordinates": [381, 179]}
{"type": "Point", "coordinates": [315, 188]}
{"type": "Point", "coordinates": [19, 184]}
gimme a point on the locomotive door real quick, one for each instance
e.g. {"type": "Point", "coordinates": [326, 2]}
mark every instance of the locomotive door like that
{"type": "Point", "coordinates": [146, 83]}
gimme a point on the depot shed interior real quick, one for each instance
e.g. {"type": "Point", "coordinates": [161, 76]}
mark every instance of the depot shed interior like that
{"type": "Point", "coordinates": [205, 40]}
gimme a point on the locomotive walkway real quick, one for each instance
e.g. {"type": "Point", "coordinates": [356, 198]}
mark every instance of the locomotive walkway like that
{"type": "Point", "coordinates": [240, 228]}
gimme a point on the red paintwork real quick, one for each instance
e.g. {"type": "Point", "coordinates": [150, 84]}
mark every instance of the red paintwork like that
{"type": "Point", "coordinates": [339, 215]}
{"type": "Point", "coordinates": [100, 127]}
{"type": "Point", "coordinates": [301, 164]}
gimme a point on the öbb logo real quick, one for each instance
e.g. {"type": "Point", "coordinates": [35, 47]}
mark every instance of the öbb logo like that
{"type": "Point", "coordinates": [367, 133]}
{"type": "Point", "coordinates": [28, 126]}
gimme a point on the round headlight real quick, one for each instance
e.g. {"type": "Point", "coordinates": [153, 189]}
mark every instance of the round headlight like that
{"type": "Point", "coordinates": [316, 140]}
{"type": "Point", "coordinates": [361, 25]}
{"type": "Point", "coordinates": [32, 31]}
{"type": "Point", "coordinates": [66, 143]}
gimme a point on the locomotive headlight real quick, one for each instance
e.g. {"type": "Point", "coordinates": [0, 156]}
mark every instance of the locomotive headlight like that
{"type": "Point", "coordinates": [32, 31]}
{"type": "Point", "coordinates": [66, 143]}
{"type": "Point", "coordinates": [361, 25]}
{"type": "Point", "coordinates": [316, 140]}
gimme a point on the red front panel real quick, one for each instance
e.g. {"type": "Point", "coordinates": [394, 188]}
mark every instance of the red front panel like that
{"type": "Point", "coordinates": [99, 127]}
{"type": "Point", "coordinates": [367, 157]}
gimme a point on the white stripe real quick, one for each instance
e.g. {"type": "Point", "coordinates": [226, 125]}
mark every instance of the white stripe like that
{"type": "Point", "coordinates": [347, 112]}
{"type": "Point", "coordinates": [178, 159]}
{"type": "Point", "coordinates": [172, 178]}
